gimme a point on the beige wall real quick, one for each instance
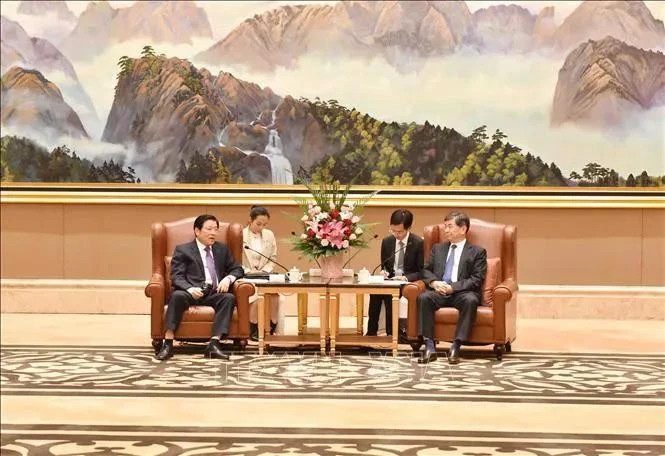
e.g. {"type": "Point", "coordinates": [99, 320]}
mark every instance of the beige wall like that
{"type": "Point", "coordinates": [555, 246]}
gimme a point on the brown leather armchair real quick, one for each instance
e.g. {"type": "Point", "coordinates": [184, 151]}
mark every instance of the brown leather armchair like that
{"type": "Point", "coordinates": [197, 320]}
{"type": "Point", "coordinates": [497, 315]}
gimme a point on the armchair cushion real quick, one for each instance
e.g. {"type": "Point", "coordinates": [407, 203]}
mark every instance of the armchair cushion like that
{"type": "Point", "coordinates": [449, 316]}
{"type": "Point", "coordinates": [492, 279]}
{"type": "Point", "coordinates": [197, 313]}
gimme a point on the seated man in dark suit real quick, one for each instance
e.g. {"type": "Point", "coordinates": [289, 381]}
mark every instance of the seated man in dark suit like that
{"type": "Point", "coordinates": [202, 272]}
{"type": "Point", "coordinates": [454, 276]}
{"type": "Point", "coordinates": [402, 258]}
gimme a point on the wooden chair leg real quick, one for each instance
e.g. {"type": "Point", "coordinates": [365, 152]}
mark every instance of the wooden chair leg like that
{"type": "Point", "coordinates": [266, 314]}
{"type": "Point", "coordinates": [360, 312]}
{"type": "Point", "coordinates": [499, 350]}
{"type": "Point", "coordinates": [302, 313]}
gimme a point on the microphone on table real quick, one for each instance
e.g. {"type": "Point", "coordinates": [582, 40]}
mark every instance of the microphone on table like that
{"type": "Point", "coordinates": [357, 252]}
{"type": "Point", "coordinates": [266, 257]}
{"type": "Point", "coordinates": [389, 258]}
{"type": "Point", "coordinates": [293, 233]}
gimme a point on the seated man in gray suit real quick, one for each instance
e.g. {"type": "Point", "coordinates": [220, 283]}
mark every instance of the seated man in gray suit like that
{"type": "Point", "coordinates": [454, 276]}
{"type": "Point", "coordinates": [202, 272]}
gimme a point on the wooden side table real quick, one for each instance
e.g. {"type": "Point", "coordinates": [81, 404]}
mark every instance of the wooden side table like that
{"type": "Point", "coordinates": [351, 285]}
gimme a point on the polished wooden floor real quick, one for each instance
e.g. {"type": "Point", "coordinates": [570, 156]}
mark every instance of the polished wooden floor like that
{"type": "Point", "coordinates": [87, 384]}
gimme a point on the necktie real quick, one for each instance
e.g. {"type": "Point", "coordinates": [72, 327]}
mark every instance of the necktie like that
{"type": "Point", "coordinates": [400, 256]}
{"type": "Point", "coordinates": [210, 263]}
{"type": "Point", "coordinates": [450, 263]}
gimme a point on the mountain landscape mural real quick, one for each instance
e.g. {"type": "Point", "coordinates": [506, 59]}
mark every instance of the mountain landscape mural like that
{"type": "Point", "coordinates": [431, 93]}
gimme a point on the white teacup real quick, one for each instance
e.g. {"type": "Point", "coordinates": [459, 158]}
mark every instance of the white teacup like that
{"type": "Point", "coordinates": [295, 275]}
{"type": "Point", "coordinates": [363, 276]}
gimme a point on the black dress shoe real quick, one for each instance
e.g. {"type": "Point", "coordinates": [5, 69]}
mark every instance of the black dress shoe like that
{"type": "Point", "coordinates": [453, 354]}
{"type": "Point", "coordinates": [273, 327]}
{"type": "Point", "coordinates": [427, 356]}
{"type": "Point", "coordinates": [402, 337]}
{"type": "Point", "coordinates": [166, 351]}
{"type": "Point", "coordinates": [214, 350]}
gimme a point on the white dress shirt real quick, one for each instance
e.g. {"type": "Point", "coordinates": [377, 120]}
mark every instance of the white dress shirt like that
{"type": "Point", "coordinates": [397, 249]}
{"type": "Point", "coordinates": [202, 251]}
{"type": "Point", "coordinates": [458, 255]}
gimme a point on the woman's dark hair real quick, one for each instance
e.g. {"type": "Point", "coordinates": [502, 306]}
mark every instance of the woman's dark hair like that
{"type": "Point", "coordinates": [255, 211]}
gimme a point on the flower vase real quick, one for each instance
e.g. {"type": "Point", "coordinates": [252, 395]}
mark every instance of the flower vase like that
{"type": "Point", "coordinates": [332, 266]}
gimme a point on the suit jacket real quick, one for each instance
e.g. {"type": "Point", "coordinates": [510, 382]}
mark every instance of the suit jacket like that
{"type": "Point", "coordinates": [414, 256]}
{"type": "Point", "coordinates": [187, 266]}
{"type": "Point", "coordinates": [470, 273]}
{"type": "Point", "coordinates": [268, 248]}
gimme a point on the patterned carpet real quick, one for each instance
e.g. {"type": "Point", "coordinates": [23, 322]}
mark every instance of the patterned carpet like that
{"type": "Point", "coordinates": [600, 386]}
{"type": "Point", "coordinates": [73, 440]}
{"type": "Point", "coordinates": [524, 377]}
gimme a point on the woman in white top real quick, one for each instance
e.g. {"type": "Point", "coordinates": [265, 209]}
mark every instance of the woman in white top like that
{"type": "Point", "coordinates": [259, 238]}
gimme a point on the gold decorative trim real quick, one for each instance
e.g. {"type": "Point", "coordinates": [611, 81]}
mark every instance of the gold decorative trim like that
{"type": "Point", "coordinates": [283, 195]}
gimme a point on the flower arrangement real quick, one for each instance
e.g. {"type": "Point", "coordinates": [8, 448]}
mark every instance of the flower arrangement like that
{"type": "Point", "coordinates": [330, 224]}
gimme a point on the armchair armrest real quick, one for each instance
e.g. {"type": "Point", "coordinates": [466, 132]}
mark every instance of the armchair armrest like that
{"type": "Point", "coordinates": [156, 282]}
{"type": "Point", "coordinates": [505, 309]}
{"type": "Point", "coordinates": [411, 291]}
{"type": "Point", "coordinates": [155, 291]}
{"type": "Point", "coordinates": [505, 290]}
{"type": "Point", "coordinates": [243, 291]}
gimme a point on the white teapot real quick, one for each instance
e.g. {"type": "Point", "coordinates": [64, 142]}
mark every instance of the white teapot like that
{"type": "Point", "coordinates": [295, 275]}
{"type": "Point", "coordinates": [363, 276]}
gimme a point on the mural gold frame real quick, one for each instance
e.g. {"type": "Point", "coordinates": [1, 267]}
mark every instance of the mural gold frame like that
{"type": "Point", "coordinates": [283, 195]}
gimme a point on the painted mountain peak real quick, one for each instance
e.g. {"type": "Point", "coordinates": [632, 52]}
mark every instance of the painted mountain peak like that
{"type": "Point", "coordinates": [628, 21]}
{"type": "Point", "coordinates": [100, 26]}
{"type": "Point", "coordinates": [503, 28]}
{"type": "Point", "coordinates": [281, 35]}
{"type": "Point", "coordinates": [42, 8]}
{"type": "Point", "coordinates": [170, 110]}
{"type": "Point", "coordinates": [31, 51]}
{"type": "Point", "coordinates": [19, 49]}
{"type": "Point", "coordinates": [403, 30]}
{"type": "Point", "coordinates": [33, 106]}
{"type": "Point", "coordinates": [602, 83]}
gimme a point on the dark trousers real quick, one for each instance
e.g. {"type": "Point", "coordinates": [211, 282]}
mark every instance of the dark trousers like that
{"type": "Point", "coordinates": [223, 304]}
{"type": "Point", "coordinates": [375, 302]}
{"type": "Point", "coordinates": [466, 303]}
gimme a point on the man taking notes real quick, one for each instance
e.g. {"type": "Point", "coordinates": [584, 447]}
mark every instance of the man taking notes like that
{"type": "Point", "coordinates": [402, 258]}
